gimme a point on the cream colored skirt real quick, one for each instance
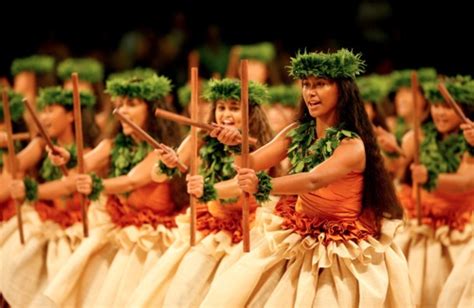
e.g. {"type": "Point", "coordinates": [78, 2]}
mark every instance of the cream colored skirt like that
{"type": "Point", "coordinates": [431, 255]}
{"type": "Point", "coordinates": [183, 274]}
{"type": "Point", "coordinates": [108, 265]}
{"type": "Point", "coordinates": [458, 291]}
{"type": "Point", "coordinates": [28, 268]}
{"type": "Point", "coordinates": [371, 273]}
{"type": "Point", "coordinates": [77, 282]}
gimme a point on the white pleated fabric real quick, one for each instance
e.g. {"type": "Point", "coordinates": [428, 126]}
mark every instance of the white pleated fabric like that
{"type": "Point", "coordinates": [371, 273]}
{"type": "Point", "coordinates": [431, 255]}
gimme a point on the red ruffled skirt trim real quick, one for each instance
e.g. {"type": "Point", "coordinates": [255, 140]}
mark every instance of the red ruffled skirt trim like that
{"type": "Point", "coordinates": [123, 215]}
{"type": "Point", "coordinates": [333, 229]}
{"type": "Point", "coordinates": [232, 223]}
{"type": "Point", "coordinates": [433, 214]}
{"type": "Point", "coordinates": [63, 212]}
{"type": "Point", "coordinates": [7, 209]}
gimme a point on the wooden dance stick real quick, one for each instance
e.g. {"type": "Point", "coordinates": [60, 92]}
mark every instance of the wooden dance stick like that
{"type": "Point", "coordinates": [11, 158]}
{"type": "Point", "coordinates": [244, 96]}
{"type": "Point", "coordinates": [76, 98]}
{"type": "Point", "coordinates": [43, 133]}
{"type": "Point", "coordinates": [417, 129]}
{"type": "Point", "coordinates": [451, 102]}
{"type": "Point", "coordinates": [194, 145]}
{"type": "Point", "coordinates": [145, 136]}
{"type": "Point", "coordinates": [187, 121]}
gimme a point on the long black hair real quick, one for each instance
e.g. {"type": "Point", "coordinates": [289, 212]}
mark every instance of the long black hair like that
{"type": "Point", "coordinates": [379, 192]}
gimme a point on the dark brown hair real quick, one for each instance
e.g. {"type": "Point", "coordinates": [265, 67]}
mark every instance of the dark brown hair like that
{"type": "Point", "coordinates": [379, 192]}
{"type": "Point", "coordinates": [258, 124]}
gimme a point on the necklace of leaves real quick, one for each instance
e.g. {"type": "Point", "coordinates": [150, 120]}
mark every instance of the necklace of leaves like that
{"type": "Point", "coordinates": [440, 156]}
{"type": "Point", "coordinates": [50, 172]}
{"type": "Point", "coordinates": [126, 154]}
{"type": "Point", "coordinates": [216, 166]}
{"type": "Point", "coordinates": [305, 152]}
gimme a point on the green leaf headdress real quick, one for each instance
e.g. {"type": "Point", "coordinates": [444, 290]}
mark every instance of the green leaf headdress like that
{"type": "Point", "coordinates": [402, 78]}
{"type": "Point", "coordinates": [373, 88]}
{"type": "Point", "coordinates": [39, 64]}
{"type": "Point", "coordinates": [16, 106]}
{"type": "Point", "coordinates": [229, 89]}
{"type": "Point", "coordinates": [461, 89]}
{"type": "Point", "coordinates": [57, 95]}
{"type": "Point", "coordinates": [341, 64]}
{"type": "Point", "coordinates": [88, 69]}
{"type": "Point", "coordinates": [264, 52]}
{"type": "Point", "coordinates": [138, 72]}
{"type": "Point", "coordinates": [147, 88]}
{"type": "Point", "coordinates": [285, 95]}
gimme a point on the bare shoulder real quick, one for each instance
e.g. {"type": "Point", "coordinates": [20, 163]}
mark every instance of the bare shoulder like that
{"type": "Point", "coordinates": [352, 150]}
{"type": "Point", "coordinates": [284, 132]}
{"type": "Point", "coordinates": [105, 145]}
{"type": "Point", "coordinates": [38, 142]}
{"type": "Point", "coordinates": [282, 136]}
{"type": "Point", "coordinates": [353, 144]}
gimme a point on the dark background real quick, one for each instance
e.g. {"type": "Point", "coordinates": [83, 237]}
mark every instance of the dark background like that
{"type": "Point", "coordinates": [390, 34]}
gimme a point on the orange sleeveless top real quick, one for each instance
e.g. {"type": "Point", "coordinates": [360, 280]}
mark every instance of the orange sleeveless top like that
{"type": "Point", "coordinates": [150, 204]}
{"type": "Point", "coordinates": [333, 210]}
{"type": "Point", "coordinates": [439, 209]}
{"type": "Point", "coordinates": [214, 217]}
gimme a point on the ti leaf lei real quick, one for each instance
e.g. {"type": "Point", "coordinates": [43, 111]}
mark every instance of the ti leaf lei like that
{"type": "Point", "coordinates": [126, 154]}
{"type": "Point", "coordinates": [305, 152]}
{"type": "Point", "coordinates": [50, 172]}
{"type": "Point", "coordinates": [440, 156]}
{"type": "Point", "coordinates": [216, 166]}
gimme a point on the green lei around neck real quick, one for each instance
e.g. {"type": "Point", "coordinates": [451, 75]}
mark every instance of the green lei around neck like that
{"type": "Point", "coordinates": [217, 160]}
{"type": "Point", "coordinates": [50, 172]}
{"type": "Point", "coordinates": [305, 152]}
{"type": "Point", "coordinates": [216, 166]}
{"type": "Point", "coordinates": [401, 127]}
{"type": "Point", "coordinates": [126, 154]}
{"type": "Point", "coordinates": [440, 156]}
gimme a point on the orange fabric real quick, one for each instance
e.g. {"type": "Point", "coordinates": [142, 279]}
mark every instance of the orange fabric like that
{"type": "Point", "coordinates": [341, 199]}
{"type": "Point", "coordinates": [150, 204]}
{"type": "Point", "coordinates": [155, 196]}
{"type": "Point", "coordinates": [334, 210]}
{"type": "Point", "coordinates": [439, 209]}
{"type": "Point", "coordinates": [217, 217]}
{"type": "Point", "coordinates": [64, 212]}
{"type": "Point", "coordinates": [7, 209]}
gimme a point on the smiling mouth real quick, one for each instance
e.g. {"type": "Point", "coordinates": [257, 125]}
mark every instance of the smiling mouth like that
{"type": "Point", "coordinates": [228, 123]}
